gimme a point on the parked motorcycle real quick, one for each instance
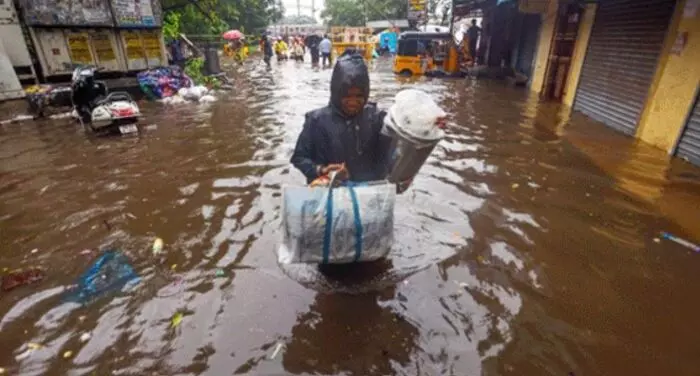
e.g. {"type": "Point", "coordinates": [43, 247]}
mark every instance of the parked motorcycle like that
{"type": "Point", "coordinates": [99, 110]}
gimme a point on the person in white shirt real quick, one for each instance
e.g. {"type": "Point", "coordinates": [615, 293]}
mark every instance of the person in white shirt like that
{"type": "Point", "coordinates": [325, 48]}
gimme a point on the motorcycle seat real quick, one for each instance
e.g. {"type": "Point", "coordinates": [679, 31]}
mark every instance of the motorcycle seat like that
{"type": "Point", "coordinates": [114, 97]}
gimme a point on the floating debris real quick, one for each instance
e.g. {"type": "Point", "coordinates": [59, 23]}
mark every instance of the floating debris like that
{"type": "Point", "coordinates": [35, 250]}
{"type": "Point", "coordinates": [683, 242]}
{"type": "Point", "coordinates": [173, 266]}
{"type": "Point", "coordinates": [515, 186]}
{"type": "Point", "coordinates": [220, 273]}
{"type": "Point", "coordinates": [111, 271]}
{"type": "Point", "coordinates": [67, 354]}
{"type": "Point", "coordinates": [157, 246]}
{"type": "Point", "coordinates": [277, 350]}
{"type": "Point", "coordinates": [657, 240]}
{"type": "Point", "coordinates": [176, 320]}
{"type": "Point", "coordinates": [85, 337]}
{"type": "Point", "coordinates": [21, 278]}
{"type": "Point", "coordinates": [131, 216]}
{"type": "Point", "coordinates": [34, 346]}
{"type": "Point", "coordinates": [86, 252]}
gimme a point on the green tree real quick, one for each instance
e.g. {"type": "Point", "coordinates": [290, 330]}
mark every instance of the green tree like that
{"type": "Point", "coordinates": [343, 13]}
{"type": "Point", "coordinates": [216, 16]}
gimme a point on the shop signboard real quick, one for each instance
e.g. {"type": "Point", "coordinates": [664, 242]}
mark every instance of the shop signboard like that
{"type": "Point", "coordinates": [137, 13]}
{"type": "Point", "coordinates": [154, 48]}
{"type": "Point", "coordinates": [135, 54]}
{"type": "Point", "coordinates": [417, 10]}
{"type": "Point", "coordinates": [79, 48]}
{"type": "Point", "coordinates": [67, 12]}
{"type": "Point", "coordinates": [107, 56]}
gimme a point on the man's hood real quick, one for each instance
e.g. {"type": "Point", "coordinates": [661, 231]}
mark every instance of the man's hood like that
{"type": "Point", "coordinates": [350, 71]}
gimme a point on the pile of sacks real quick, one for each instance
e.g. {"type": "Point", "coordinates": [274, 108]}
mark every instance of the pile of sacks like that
{"type": "Point", "coordinates": [191, 94]}
{"type": "Point", "coordinates": [163, 82]}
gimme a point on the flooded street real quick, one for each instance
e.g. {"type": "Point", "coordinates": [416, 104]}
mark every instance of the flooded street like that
{"type": "Point", "coordinates": [527, 245]}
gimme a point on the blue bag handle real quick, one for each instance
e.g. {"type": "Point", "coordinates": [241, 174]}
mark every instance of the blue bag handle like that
{"type": "Point", "coordinates": [329, 219]}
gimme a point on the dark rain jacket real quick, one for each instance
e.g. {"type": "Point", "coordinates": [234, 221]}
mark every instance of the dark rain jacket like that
{"type": "Point", "coordinates": [267, 46]}
{"type": "Point", "coordinates": [329, 136]}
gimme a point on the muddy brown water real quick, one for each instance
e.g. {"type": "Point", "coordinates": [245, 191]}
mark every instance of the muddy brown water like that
{"type": "Point", "coordinates": [525, 246]}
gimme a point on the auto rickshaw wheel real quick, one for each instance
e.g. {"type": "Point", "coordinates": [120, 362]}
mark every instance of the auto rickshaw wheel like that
{"type": "Point", "coordinates": [406, 73]}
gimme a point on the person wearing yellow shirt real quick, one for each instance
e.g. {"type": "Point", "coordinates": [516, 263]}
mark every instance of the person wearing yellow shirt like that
{"type": "Point", "coordinates": [281, 49]}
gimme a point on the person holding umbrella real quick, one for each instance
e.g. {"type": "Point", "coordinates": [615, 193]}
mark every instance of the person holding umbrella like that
{"type": "Point", "coordinates": [235, 44]}
{"type": "Point", "coordinates": [312, 41]}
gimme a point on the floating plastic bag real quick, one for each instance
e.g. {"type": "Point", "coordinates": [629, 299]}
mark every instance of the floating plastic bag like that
{"type": "Point", "coordinates": [207, 99]}
{"type": "Point", "coordinates": [109, 272]}
{"type": "Point", "coordinates": [337, 225]}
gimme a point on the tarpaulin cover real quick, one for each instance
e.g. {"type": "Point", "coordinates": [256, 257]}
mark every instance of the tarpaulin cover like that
{"type": "Point", "coordinates": [163, 82]}
{"type": "Point", "coordinates": [336, 226]}
{"type": "Point", "coordinates": [109, 272]}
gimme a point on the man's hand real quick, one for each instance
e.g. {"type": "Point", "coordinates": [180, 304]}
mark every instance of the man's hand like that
{"type": "Point", "coordinates": [339, 168]}
{"type": "Point", "coordinates": [403, 186]}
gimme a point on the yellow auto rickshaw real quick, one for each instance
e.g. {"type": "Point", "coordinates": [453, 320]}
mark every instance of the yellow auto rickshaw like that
{"type": "Point", "coordinates": [425, 53]}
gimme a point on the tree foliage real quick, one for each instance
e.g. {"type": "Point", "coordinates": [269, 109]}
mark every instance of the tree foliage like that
{"type": "Point", "coordinates": [297, 20]}
{"type": "Point", "coordinates": [202, 17]}
{"type": "Point", "coordinates": [357, 12]}
{"type": "Point", "coordinates": [440, 11]}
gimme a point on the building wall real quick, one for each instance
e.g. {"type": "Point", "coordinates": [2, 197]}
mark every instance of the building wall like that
{"type": "Point", "coordinates": [544, 45]}
{"type": "Point", "coordinates": [584, 35]}
{"type": "Point", "coordinates": [675, 84]}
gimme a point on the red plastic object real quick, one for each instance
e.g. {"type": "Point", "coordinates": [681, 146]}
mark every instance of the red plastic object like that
{"type": "Point", "coordinates": [21, 278]}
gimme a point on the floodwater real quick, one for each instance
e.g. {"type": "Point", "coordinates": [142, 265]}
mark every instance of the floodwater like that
{"type": "Point", "coordinates": [528, 245]}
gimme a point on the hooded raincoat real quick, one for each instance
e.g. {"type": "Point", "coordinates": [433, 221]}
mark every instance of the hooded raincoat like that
{"type": "Point", "coordinates": [330, 136]}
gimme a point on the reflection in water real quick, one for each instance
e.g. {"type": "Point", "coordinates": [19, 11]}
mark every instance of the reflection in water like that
{"type": "Point", "coordinates": [355, 334]}
{"type": "Point", "coordinates": [524, 247]}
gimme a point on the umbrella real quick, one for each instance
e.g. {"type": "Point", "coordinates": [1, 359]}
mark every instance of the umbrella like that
{"type": "Point", "coordinates": [233, 35]}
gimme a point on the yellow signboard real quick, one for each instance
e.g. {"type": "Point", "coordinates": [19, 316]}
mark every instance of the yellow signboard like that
{"type": "Point", "coordinates": [79, 48]}
{"type": "Point", "coordinates": [416, 5]}
{"type": "Point", "coordinates": [151, 42]}
{"type": "Point", "coordinates": [134, 47]}
{"type": "Point", "coordinates": [103, 47]}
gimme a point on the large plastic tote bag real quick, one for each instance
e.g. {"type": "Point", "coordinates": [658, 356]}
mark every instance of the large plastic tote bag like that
{"type": "Point", "coordinates": [341, 225]}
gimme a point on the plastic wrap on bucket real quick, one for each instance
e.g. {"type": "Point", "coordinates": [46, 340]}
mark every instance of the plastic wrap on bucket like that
{"type": "Point", "coordinates": [411, 123]}
{"type": "Point", "coordinates": [337, 226]}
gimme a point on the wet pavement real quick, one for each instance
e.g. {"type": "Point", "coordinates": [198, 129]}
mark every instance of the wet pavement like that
{"type": "Point", "coordinates": [528, 245]}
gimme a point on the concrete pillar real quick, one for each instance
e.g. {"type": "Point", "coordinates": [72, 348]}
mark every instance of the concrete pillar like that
{"type": "Point", "coordinates": [675, 84]}
{"type": "Point", "coordinates": [549, 19]}
{"type": "Point", "coordinates": [580, 48]}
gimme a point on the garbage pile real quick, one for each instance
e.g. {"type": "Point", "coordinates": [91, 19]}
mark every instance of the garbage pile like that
{"type": "Point", "coordinates": [172, 86]}
{"type": "Point", "coordinates": [192, 94]}
{"type": "Point", "coordinates": [163, 82]}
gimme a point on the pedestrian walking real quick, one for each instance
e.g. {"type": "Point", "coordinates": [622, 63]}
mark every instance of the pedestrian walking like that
{"type": "Point", "coordinates": [312, 42]}
{"type": "Point", "coordinates": [325, 47]}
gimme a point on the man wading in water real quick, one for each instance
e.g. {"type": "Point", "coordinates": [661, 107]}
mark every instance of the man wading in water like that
{"type": "Point", "coordinates": [346, 135]}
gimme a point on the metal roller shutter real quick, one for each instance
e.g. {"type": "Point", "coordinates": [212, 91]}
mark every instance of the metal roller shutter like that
{"type": "Point", "coordinates": [626, 41]}
{"type": "Point", "coordinates": [689, 144]}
